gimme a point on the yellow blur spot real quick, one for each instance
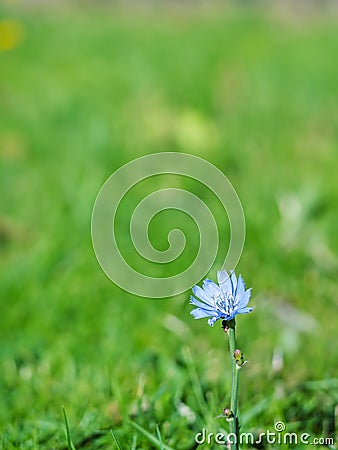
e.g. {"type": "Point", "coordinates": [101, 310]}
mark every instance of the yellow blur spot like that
{"type": "Point", "coordinates": [195, 132]}
{"type": "Point", "coordinates": [11, 33]}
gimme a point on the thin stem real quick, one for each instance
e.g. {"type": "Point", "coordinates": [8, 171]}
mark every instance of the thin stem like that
{"type": "Point", "coordinates": [234, 390]}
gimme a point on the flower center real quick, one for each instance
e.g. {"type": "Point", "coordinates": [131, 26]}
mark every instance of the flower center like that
{"type": "Point", "coordinates": [225, 304]}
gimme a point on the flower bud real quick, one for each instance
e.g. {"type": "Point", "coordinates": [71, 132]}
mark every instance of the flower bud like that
{"type": "Point", "coordinates": [227, 413]}
{"type": "Point", "coordinates": [239, 358]}
{"type": "Point", "coordinates": [237, 354]}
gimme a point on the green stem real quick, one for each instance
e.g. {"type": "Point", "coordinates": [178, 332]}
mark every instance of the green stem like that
{"type": "Point", "coordinates": [234, 391]}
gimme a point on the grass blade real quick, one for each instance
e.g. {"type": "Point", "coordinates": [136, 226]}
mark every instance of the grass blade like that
{"type": "Point", "coordinates": [195, 382]}
{"type": "Point", "coordinates": [158, 442]}
{"type": "Point", "coordinates": [159, 437]}
{"type": "Point", "coordinates": [70, 444]}
{"type": "Point", "coordinates": [118, 445]}
{"type": "Point", "coordinates": [133, 447]}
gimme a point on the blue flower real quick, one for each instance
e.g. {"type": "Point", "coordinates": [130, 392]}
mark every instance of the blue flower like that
{"type": "Point", "coordinates": [223, 300]}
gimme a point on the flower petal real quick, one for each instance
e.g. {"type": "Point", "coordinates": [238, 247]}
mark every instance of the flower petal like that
{"type": "Point", "coordinates": [204, 306]}
{"type": "Point", "coordinates": [244, 310]}
{"type": "Point", "coordinates": [233, 281]}
{"type": "Point", "coordinates": [224, 281]}
{"type": "Point", "coordinates": [211, 289]}
{"type": "Point", "coordinates": [199, 313]}
{"type": "Point", "coordinates": [212, 320]}
{"type": "Point", "coordinates": [243, 300]}
{"type": "Point", "coordinates": [202, 295]}
{"type": "Point", "coordinates": [240, 286]}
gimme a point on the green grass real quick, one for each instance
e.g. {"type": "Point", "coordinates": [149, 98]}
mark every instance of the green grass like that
{"type": "Point", "coordinates": [86, 91]}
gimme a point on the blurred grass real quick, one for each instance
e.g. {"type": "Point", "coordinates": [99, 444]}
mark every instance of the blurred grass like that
{"type": "Point", "coordinates": [83, 92]}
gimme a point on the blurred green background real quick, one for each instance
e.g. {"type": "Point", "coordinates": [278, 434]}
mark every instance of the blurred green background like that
{"type": "Point", "coordinates": [85, 88]}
